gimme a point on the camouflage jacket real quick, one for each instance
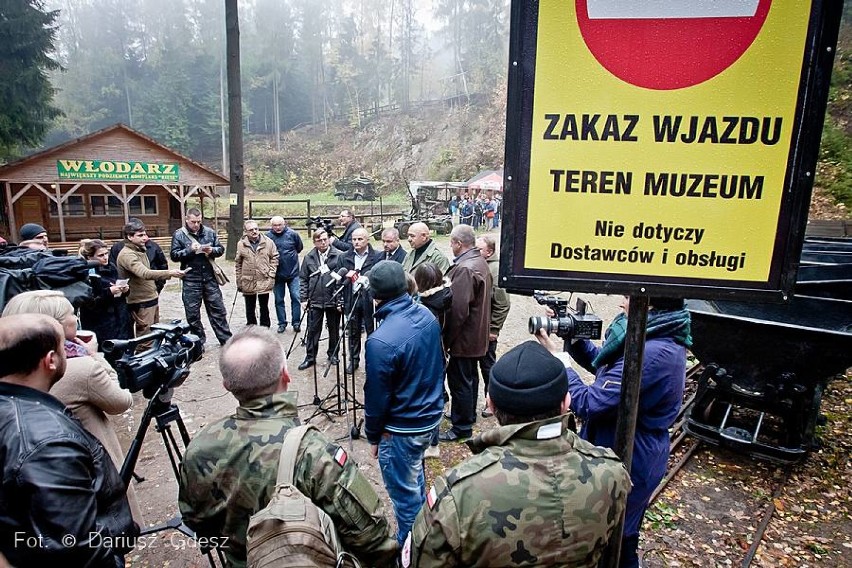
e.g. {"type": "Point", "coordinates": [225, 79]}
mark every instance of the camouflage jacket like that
{"type": "Point", "coordinates": [534, 494]}
{"type": "Point", "coordinates": [230, 469]}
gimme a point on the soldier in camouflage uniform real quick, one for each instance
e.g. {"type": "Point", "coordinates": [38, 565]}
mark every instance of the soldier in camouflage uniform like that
{"type": "Point", "coordinates": [230, 468]}
{"type": "Point", "coordinates": [534, 493]}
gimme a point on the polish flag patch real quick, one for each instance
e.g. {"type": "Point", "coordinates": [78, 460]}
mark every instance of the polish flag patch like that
{"type": "Point", "coordinates": [340, 457]}
{"type": "Point", "coordinates": [431, 497]}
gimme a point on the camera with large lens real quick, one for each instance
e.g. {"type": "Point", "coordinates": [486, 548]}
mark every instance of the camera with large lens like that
{"type": "Point", "coordinates": [569, 323]}
{"type": "Point", "coordinates": [315, 223]}
{"type": "Point", "coordinates": [162, 366]}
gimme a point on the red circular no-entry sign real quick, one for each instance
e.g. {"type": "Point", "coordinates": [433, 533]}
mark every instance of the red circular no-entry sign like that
{"type": "Point", "coordinates": [669, 44]}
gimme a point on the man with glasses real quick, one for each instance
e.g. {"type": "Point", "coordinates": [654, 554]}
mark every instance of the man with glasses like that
{"type": "Point", "coordinates": [344, 243]}
{"type": "Point", "coordinates": [358, 262]}
{"type": "Point", "coordinates": [317, 267]}
{"type": "Point", "coordinates": [255, 265]}
{"type": "Point", "coordinates": [423, 249]}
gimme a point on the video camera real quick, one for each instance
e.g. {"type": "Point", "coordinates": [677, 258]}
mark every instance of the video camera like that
{"type": "Point", "coordinates": [315, 223]}
{"type": "Point", "coordinates": [165, 364]}
{"type": "Point", "coordinates": [568, 323]}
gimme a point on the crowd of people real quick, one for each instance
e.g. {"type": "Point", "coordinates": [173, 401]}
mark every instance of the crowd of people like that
{"type": "Point", "coordinates": [480, 212]}
{"type": "Point", "coordinates": [432, 325]}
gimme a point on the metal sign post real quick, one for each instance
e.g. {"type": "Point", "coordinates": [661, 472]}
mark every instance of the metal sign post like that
{"type": "Point", "coordinates": [625, 427]}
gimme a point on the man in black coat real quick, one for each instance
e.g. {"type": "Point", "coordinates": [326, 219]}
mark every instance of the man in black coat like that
{"type": "Point", "coordinates": [358, 263]}
{"type": "Point", "coordinates": [344, 243]}
{"type": "Point", "coordinates": [316, 273]}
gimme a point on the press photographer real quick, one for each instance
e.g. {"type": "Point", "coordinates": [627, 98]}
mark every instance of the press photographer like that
{"type": "Point", "coordinates": [661, 394]}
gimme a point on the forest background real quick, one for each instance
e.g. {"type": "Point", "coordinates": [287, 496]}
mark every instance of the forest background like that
{"type": "Point", "coordinates": [392, 89]}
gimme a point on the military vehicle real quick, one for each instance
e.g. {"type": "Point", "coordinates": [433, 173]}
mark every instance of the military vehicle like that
{"type": "Point", "coordinates": [430, 204]}
{"type": "Point", "coordinates": [357, 189]}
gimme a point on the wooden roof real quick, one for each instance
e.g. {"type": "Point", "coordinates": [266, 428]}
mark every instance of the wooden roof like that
{"type": "Point", "coordinates": [116, 142]}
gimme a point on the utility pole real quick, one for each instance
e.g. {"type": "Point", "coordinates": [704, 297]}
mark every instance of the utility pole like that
{"type": "Point", "coordinates": [235, 127]}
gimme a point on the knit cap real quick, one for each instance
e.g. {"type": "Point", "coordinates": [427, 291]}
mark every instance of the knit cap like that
{"type": "Point", "coordinates": [527, 380]}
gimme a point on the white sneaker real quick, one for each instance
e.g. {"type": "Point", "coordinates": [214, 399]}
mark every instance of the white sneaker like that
{"type": "Point", "coordinates": [432, 452]}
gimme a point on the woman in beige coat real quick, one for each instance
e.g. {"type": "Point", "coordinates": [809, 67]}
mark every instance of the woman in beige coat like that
{"type": "Point", "coordinates": [255, 264]}
{"type": "Point", "coordinates": [89, 387]}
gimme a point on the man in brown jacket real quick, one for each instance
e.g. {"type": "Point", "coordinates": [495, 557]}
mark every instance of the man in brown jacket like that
{"type": "Point", "coordinates": [133, 263]}
{"type": "Point", "coordinates": [256, 263]}
{"type": "Point", "coordinates": [466, 329]}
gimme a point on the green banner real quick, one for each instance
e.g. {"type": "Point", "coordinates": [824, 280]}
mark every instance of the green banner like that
{"type": "Point", "coordinates": [117, 170]}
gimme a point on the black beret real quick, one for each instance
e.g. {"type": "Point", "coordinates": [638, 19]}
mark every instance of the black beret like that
{"type": "Point", "coordinates": [527, 380]}
{"type": "Point", "coordinates": [387, 280]}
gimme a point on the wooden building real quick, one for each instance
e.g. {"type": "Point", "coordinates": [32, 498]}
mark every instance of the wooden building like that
{"type": "Point", "coordinates": [89, 187]}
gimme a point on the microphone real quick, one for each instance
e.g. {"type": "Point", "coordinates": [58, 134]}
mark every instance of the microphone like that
{"type": "Point", "coordinates": [314, 273]}
{"type": "Point", "coordinates": [362, 283]}
{"type": "Point", "coordinates": [336, 277]}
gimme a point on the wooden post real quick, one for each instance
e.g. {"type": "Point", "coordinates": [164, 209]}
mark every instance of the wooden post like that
{"type": "Point", "coordinates": [13, 223]}
{"type": "Point", "coordinates": [235, 125]}
{"type": "Point", "coordinates": [58, 193]}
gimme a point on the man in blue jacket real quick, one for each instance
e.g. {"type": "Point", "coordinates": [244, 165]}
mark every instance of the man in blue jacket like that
{"type": "Point", "coordinates": [403, 393]}
{"type": "Point", "coordinates": [289, 245]}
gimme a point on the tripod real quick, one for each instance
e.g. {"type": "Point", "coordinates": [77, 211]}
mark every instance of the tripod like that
{"type": "Point", "coordinates": [164, 412]}
{"type": "Point", "coordinates": [307, 328]}
{"type": "Point", "coordinates": [335, 393]}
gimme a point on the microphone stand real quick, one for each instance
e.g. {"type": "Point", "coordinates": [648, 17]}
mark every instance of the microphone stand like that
{"type": "Point", "coordinates": [354, 427]}
{"type": "Point", "coordinates": [306, 334]}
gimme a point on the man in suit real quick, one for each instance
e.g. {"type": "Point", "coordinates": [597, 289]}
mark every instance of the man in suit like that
{"type": "Point", "coordinates": [390, 243]}
{"type": "Point", "coordinates": [358, 262]}
{"type": "Point", "coordinates": [317, 267]}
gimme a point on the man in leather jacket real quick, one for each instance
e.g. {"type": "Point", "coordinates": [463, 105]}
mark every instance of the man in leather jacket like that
{"type": "Point", "coordinates": [344, 243]}
{"type": "Point", "coordinates": [194, 246]}
{"type": "Point", "coordinates": [62, 502]}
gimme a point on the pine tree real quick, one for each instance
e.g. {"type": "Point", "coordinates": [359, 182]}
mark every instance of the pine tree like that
{"type": "Point", "coordinates": [26, 42]}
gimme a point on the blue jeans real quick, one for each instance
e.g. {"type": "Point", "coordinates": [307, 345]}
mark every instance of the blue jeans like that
{"type": "Point", "coordinates": [401, 461]}
{"type": "Point", "coordinates": [280, 292]}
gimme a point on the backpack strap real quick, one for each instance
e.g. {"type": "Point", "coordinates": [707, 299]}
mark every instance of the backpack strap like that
{"type": "Point", "coordinates": [289, 450]}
